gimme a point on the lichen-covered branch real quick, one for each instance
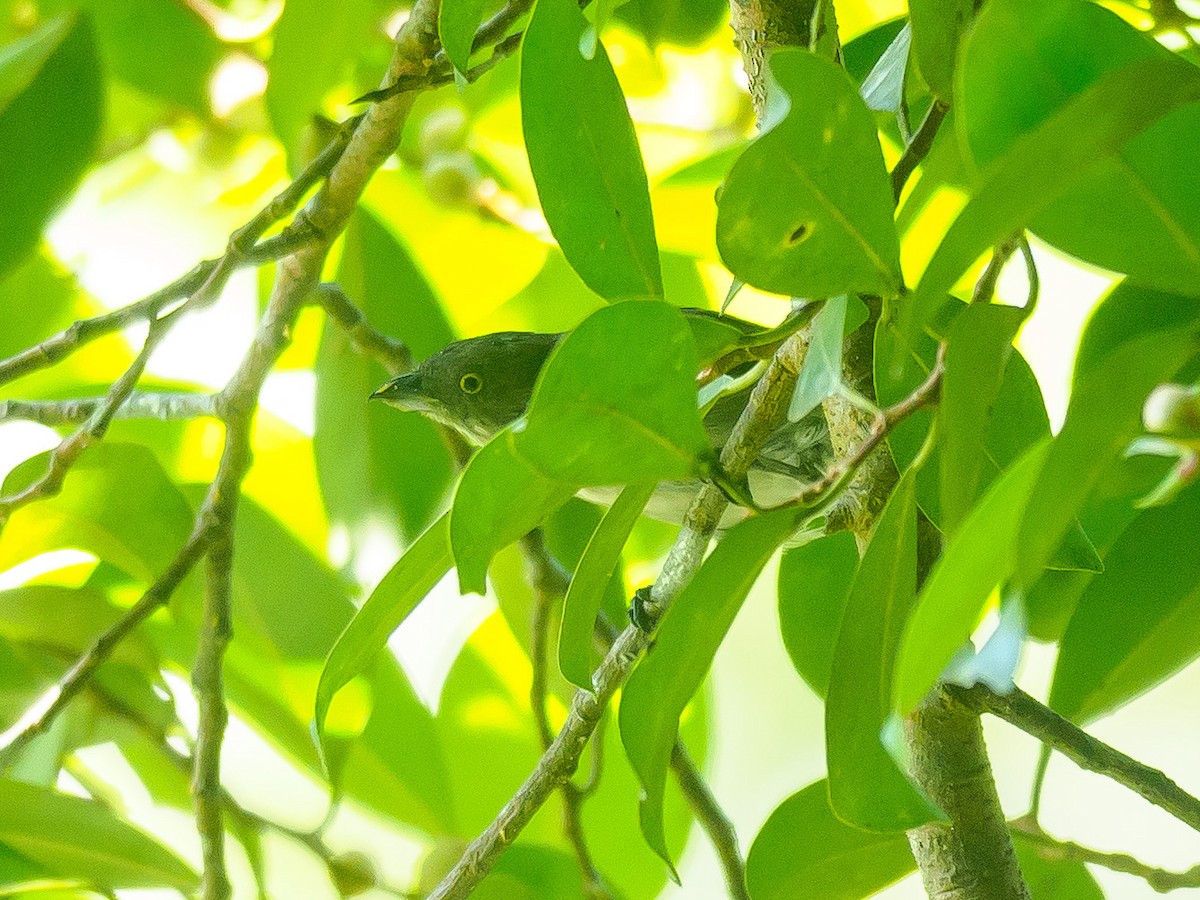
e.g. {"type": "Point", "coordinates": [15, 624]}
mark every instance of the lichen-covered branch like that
{"type": "Point", "coordinates": [138, 405]}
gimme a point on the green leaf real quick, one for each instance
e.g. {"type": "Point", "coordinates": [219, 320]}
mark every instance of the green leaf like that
{"type": "Point", "coordinates": [137, 530]}
{"type": "Point", "coordinates": [977, 560]}
{"type": "Point", "coordinates": [616, 401]}
{"type": "Point", "coordinates": [1134, 625]}
{"type": "Point", "coordinates": [807, 209]}
{"type": "Point", "coordinates": [883, 88]}
{"type": "Point", "coordinates": [500, 497]}
{"type": "Point", "coordinates": [51, 99]}
{"type": "Point", "coordinates": [312, 52]}
{"type": "Point", "coordinates": [1052, 878]}
{"type": "Point", "coordinates": [866, 789]}
{"type": "Point", "coordinates": [1046, 162]}
{"type": "Point", "coordinates": [937, 28]}
{"type": "Point", "coordinates": [1103, 416]}
{"type": "Point", "coordinates": [77, 838]}
{"type": "Point", "coordinates": [686, 23]}
{"type": "Point", "coordinates": [366, 453]}
{"type": "Point", "coordinates": [157, 46]}
{"type": "Point", "coordinates": [585, 158]}
{"type": "Point", "coordinates": [529, 872]}
{"type": "Point", "coordinates": [686, 641]}
{"type": "Point", "coordinates": [1015, 75]}
{"type": "Point", "coordinates": [590, 580]}
{"type": "Point", "coordinates": [457, 21]}
{"type": "Point", "coordinates": [821, 372]}
{"type": "Point", "coordinates": [804, 850]}
{"type": "Point", "coordinates": [402, 588]}
{"type": "Point", "coordinates": [814, 582]}
{"type": "Point", "coordinates": [977, 353]}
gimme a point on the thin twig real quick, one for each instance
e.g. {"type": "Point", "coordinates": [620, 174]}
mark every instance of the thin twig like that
{"type": "Point", "coordinates": [1051, 848]}
{"type": "Point", "coordinates": [918, 148]}
{"type": "Point", "coordinates": [547, 580]}
{"type": "Point", "coordinates": [713, 820]}
{"type": "Point", "coordinates": [138, 405]}
{"type": "Point", "coordinates": [985, 287]}
{"type": "Point", "coordinates": [365, 339]}
{"type": "Point", "coordinates": [767, 407]}
{"type": "Point", "coordinates": [1024, 712]}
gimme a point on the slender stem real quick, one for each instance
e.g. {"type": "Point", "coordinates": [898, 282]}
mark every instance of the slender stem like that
{"type": "Point", "coordinates": [1051, 848]}
{"type": "Point", "coordinates": [985, 287]}
{"type": "Point", "coordinates": [713, 820]}
{"type": "Point", "coordinates": [365, 339]}
{"type": "Point", "coordinates": [1024, 712]}
{"type": "Point", "coordinates": [138, 405]}
{"type": "Point", "coordinates": [918, 148]}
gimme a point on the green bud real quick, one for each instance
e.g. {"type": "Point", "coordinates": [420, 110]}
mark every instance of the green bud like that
{"type": "Point", "coordinates": [353, 873]}
{"type": "Point", "coordinates": [451, 179]}
{"type": "Point", "coordinates": [1173, 410]}
{"type": "Point", "coordinates": [442, 131]}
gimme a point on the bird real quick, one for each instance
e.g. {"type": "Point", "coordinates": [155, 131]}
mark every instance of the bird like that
{"type": "Point", "coordinates": [482, 385]}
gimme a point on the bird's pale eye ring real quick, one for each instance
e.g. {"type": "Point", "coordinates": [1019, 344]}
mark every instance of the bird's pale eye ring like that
{"type": "Point", "coordinates": [470, 383]}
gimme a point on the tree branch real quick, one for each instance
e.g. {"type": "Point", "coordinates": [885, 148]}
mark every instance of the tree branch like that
{"type": "Point", "coordinates": [1024, 712]}
{"type": "Point", "coordinates": [1051, 848]}
{"type": "Point", "coordinates": [138, 405]}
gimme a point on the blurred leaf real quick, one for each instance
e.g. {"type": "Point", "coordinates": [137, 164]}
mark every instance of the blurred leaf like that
{"type": "Point", "coordinates": [804, 850]}
{"type": "Point", "coordinates": [312, 53]}
{"type": "Point", "coordinates": [1015, 76]}
{"type": "Point", "coordinates": [77, 838]}
{"type": "Point", "coordinates": [807, 209]}
{"type": "Point", "coordinates": [1134, 623]}
{"type": "Point", "coordinates": [616, 401]}
{"type": "Point", "coordinates": [937, 26]}
{"type": "Point", "coordinates": [1055, 879]}
{"type": "Point", "coordinates": [16, 869]}
{"type": "Point", "coordinates": [1045, 163]}
{"type": "Point", "coordinates": [686, 23]}
{"type": "Point", "coordinates": [1103, 416]}
{"type": "Point", "coordinates": [866, 789]}
{"type": "Point", "coordinates": [883, 88]}
{"type": "Point", "coordinates": [138, 530]}
{"type": "Point", "coordinates": [37, 298]}
{"type": "Point", "coordinates": [585, 158]}
{"type": "Point", "coordinates": [366, 453]}
{"type": "Point", "coordinates": [977, 559]}
{"type": "Point", "coordinates": [814, 582]}
{"type": "Point", "coordinates": [589, 581]}
{"type": "Point", "coordinates": [402, 588]}
{"type": "Point", "coordinates": [685, 642]}
{"type": "Point", "coordinates": [457, 21]}
{"type": "Point", "coordinates": [157, 46]}
{"type": "Point", "coordinates": [821, 371]}
{"type": "Point", "coordinates": [862, 53]}
{"type": "Point", "coordinates": [529, 872]}
{"type": "Point", "coordinates": [500, 497]}
{"type": "Point", "coordinates": [51, 97]}
{"type": "Point", "coordinates": [977, 353]}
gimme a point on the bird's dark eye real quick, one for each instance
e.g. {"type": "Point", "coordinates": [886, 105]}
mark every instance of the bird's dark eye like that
{"type": "Point", "coordinates": [470, 383]}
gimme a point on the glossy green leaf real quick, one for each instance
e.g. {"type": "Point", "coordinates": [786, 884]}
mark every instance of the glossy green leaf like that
{"type": "Point", "coordinates": [500, 497]}
{"type": "Point", "coordinates": [883, 88]}
{"type": "Point", "coordinates": [160, 48]}
{"type": "Point", "coordinates": [139, 531]}
{"type": "Point", "coordinates": [686, 641]}
{"type": "Point", "coordinates": [1103, 416]}
{"type": "Point", "coordinates": [977, 353]}
{"type": "Point", "coordinates": [821, 373]}
{"type": "Point", "coordinates": [586, 592]}
{"type": "Point", "coordinates": [807, 209]}
{"type": "Point", "coordinates": [1134, 625]}
{"type": "Point", "coordinates": [866, 789]}
{"type": "Point", "coordinates": [51, 100]}
{"type": "Point", "coordinates": [529, 872]}
{"type": "Point", "coordinates": [598, 418]}
{"type": "Point", "coordinates": [311, 53]}
{"type": "Point", "coordinates": [367, 453]}
{"type": "Point", "coordinates": [585, 158]}
{"type": "Point", "coordinates": [1015, 75]}
{"type": "Point", "coordinates": [1045, 163]}
{"type": "Point", "coordinates": [402, 588]}
{"type": "Point", "coordinates": [804, 850]}
{"type": "Point", "coordinates": [77, 838]}
{"type": "Point", "coordinates": [457, 21]}
{"type": "Point", "coordinates": [814, 582]}
{"type": "Point", "coordinates": [977, 560]}
{"type": "Point", "coordinates": [937, 27]}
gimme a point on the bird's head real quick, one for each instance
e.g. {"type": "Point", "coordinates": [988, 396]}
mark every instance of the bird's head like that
{"type": "Point", "coordinates": [477, 386]}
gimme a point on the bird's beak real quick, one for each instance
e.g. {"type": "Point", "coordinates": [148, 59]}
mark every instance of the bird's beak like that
{"type": "Point", "coordinates": [403, 392]}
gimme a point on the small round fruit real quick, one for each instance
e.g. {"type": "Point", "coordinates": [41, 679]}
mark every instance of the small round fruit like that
{"type": "Point", "coordinates": [451, 179]}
